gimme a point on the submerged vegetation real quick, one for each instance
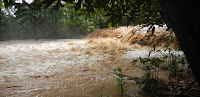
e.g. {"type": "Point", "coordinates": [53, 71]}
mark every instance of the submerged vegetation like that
{"type": "Point", "coordinates": [150, 82]}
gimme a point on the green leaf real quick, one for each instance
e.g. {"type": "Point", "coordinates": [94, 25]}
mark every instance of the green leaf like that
{"type": "Point", "coordinates": [120, 76]}
{"type": "Point", "coordinates": [134, 62]}
{"type": "Point", "coordinates": [70, 7]}
{"type": "Point", "coordinates": [158, 51]}
{"type": "Point", "coordinates": [119, 69]}
{"type": "Point", "coordinates": [1, 4]}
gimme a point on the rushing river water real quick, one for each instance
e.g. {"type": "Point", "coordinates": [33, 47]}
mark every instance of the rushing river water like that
{"type": "Point", "coordinates": [65, 68]}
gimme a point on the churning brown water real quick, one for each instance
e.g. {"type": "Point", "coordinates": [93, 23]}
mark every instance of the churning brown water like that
{"type": "Point", "coordinates": [69, 68]}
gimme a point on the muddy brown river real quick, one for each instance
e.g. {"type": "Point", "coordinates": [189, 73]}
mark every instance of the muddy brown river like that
{"type": "Point", "coordinates": [67, 68]}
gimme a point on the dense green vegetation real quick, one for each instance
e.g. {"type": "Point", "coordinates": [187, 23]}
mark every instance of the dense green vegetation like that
{"type": "Point", "coordinates": [70, 19]}
{"type": "Point", "coordinates": [65, 23]}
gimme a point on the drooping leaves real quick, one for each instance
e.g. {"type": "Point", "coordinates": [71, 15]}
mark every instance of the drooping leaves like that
{"type": "Point", "coordinates": [118, 11]}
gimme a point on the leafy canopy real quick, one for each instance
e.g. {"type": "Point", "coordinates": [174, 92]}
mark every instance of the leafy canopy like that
{"type": "Point", "coordinates": [118, 11]}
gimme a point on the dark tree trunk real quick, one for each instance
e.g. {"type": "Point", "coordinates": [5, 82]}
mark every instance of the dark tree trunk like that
{"type": "Point", "coordinates": [183, 18]}
{"type": "Point", "coordinates": [1, 37]}
{"type": "Point", "coordinates": [35, 33]}
{"type": "Point", "coordinates": [55, 28]}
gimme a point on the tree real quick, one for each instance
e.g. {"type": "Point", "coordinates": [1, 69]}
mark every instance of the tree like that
{"type": "Point", "coordinates": [176, 14]}
{"type": "Point", "coordinates": [28, 12]}
{"type": "Point", "coordinates": [183, 17]}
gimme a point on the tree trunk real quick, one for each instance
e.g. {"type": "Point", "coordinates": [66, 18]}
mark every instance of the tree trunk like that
{"type": "Point", "coordinates": [35, 33]}
{"type": "Point", "coordinates": [183, 18]}
{"type": "Point", "coordinates": [55, 28]}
